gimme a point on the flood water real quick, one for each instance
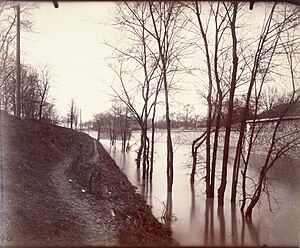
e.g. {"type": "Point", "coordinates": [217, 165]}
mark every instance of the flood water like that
{"type": "Point", "coordinates": [197, 221]}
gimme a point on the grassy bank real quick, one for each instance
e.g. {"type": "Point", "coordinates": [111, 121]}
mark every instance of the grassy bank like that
{"type": "Point", "coordinates": [60, 187]}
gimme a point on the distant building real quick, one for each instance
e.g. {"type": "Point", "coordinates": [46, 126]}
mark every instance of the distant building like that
{"type": "Point", "coordinates": [288, 132]}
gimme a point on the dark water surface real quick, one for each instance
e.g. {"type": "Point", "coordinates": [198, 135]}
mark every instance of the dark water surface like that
{"type": "Point", "coordinates": [198, 221]}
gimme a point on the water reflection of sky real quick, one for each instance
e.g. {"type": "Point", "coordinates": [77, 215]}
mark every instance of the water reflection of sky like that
{"type": "Point", "coordinates": [198, 221]}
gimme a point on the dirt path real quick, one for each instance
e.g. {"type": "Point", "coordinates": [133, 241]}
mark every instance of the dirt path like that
{"type": "Point", "coordinates": [61, 188]}
{"type": "Point", "coordinates": [94, 228]}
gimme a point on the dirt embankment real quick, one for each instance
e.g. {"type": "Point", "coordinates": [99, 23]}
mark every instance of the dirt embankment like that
{"type": "Point", "coordinates": [61, 188]}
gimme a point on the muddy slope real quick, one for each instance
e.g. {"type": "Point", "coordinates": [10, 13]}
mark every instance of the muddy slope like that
{"type": "Point", "coordinates": [61, 188]}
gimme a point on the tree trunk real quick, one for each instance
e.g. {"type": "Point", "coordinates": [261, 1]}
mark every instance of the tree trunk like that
{"type": "Point", "coordinates": [170, 172]}
{"type": "Point", "coordinates": [98, 133]}
{"type": "Point", "coordinates": [214, 156]}
{"type": "Point", "coordinates": [239, 148]}
{"type": "Point", "coordinates": [163, 48]}
{"type": "Point", "coordinates": [255, 197]}
{"type": "Point", "coordinates": [168, 213]}
{"type": "Point", "coordinates": [145, 152]}
{"type": "Point", "coordinates": [221, 190]}
{"type": "Point", "coordinates": [41, 104]}
{"type": "Point", "coordinates": [219, 104]}
{"type": "Point", "coordinates": [152, 144]}
{"type": "Point", "coordinates": [257, 59]}
{"type": "Point", "coordinates": [147, 156]}
{"type": "Point", "coordinates": [194, 165]}
{"type": "Point", "coordinates": [209, 102]}
{"type": "Point", "coordinates": [139, 154]}
{"type": "Point", "coordinates": [153, 128]}
{"type": "Point", "coordinates": [195, 148]}
{"type": "Point", "coordinates": [244, 172]}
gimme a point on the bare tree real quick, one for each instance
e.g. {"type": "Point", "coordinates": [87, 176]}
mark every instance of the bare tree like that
{"type": "Point", "coordinates": [7, 39]}
{"type": "Point", "coordinates": [166, 28]}
{"type": "Point", "coordinates": [208, 98]}
{"type": "Point", "coordinates": [8, 19]}
{"type": "Point", "coordinates": [34, 93]}
{"type": "Point", "coordinates": [73, 114]}
{"type": "Point", "coordinates": [228, 123]}
{"type": "Point", "coordinates": [152, 28]}
{"type": "Point", "coordinates": [8, 74]}
{"type": "Point", "coordinates": [215, 94]}
{"type": "Point", "coordinates": [141, 98]}
{"type": "Point", "coordinates": [43, 89]}
{"type": "Point", "coordinates": [120, 124]}
{"type": "Point", "coordinates": [257, 65]}
{"type": "Point", "coordinates": [280, 142]}
{"type": "Point", "coordinates": [99, 122]}
{"type": "Point", "coordinates": [258, 59]}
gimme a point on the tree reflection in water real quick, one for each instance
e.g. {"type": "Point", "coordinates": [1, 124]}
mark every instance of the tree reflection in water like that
{"type": "Point", "coordinates": [168, 216]}
{"type": "Point", "coordinates": [193, 205]}
{"type": "Point", "coordinates": [234, 230]}
{"type": "Point", "coordinates": [222, 225]}
{"type": "Point", "coordinates": [254, 234]}
{"type": "Point", "coordinates": [200, 221]}
{"type": "Point", "coordinates": [146, 188]}
{"type": "Point", "coordinates": [209, 232]}
{"type": "Point", "coordinates": [138, 176]}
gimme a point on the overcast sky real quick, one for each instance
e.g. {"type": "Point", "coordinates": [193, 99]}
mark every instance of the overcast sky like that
{"type": "Point", "coordinates": [70, 41]}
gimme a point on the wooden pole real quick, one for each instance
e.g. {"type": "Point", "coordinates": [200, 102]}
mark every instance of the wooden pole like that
{"type": "Point", "coordinates": [80, 124]}
{"type": "Point", "coordinates": [18, 64]}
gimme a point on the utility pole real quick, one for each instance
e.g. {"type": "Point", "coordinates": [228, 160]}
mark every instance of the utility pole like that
{"type": "Point", "coordinates": [18, 64]}
{"type": "Point", "coordinates": [80, 121]}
